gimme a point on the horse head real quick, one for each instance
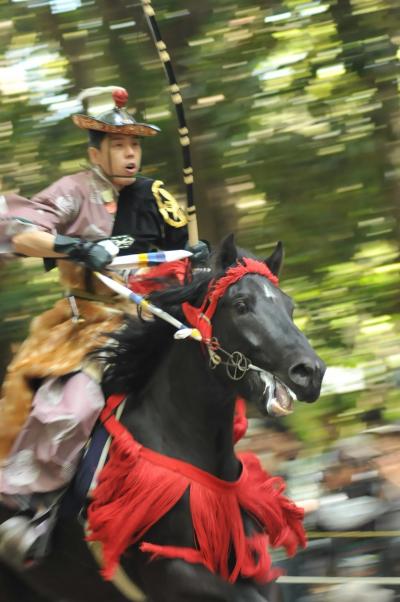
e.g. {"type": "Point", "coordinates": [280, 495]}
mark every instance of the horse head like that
{"type": "Point", "coordinates": [255, 338]}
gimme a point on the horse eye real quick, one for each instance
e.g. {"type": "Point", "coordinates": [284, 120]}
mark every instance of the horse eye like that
{"type": "Point", "coordinates": [241, 307]}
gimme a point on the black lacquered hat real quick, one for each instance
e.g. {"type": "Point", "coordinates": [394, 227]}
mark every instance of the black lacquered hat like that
{"type": "Point", "coordinates": [116, 121]}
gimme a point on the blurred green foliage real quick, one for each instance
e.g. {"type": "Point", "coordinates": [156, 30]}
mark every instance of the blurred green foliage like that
{"type": "Point", "coordinates": [293, 109]}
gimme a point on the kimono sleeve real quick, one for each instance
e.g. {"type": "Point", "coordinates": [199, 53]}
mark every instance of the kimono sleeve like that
{"type": "Point", "coordinates": [12, 220]}
{"type": "Point", "coordinates": [49, 211]}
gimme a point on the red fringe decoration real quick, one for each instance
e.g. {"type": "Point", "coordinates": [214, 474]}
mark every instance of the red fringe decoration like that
{"type": "Point", "coordinates": [138, 486]}
{"type": "Point", "coordinates": [159, 276]}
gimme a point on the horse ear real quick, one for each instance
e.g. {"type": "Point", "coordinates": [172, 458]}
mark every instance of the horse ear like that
{"type": "Point", "coordinates": [227, 253]}
{"type": "Point", "coordinates": [275, 260]}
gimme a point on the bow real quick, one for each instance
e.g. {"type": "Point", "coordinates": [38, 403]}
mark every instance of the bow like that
{"type": "Point", "coordinates": [182, 125]}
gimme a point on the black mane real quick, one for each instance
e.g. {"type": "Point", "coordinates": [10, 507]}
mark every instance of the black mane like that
{"type": "Point", "coordinates": [140, 345]}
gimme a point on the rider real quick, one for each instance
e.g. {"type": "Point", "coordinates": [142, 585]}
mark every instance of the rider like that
{"type": "Point", "coordinates": [51, 394]}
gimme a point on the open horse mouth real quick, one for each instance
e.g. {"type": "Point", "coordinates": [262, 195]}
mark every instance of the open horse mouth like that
{"type": "Point", "coordinates": [278, 399]}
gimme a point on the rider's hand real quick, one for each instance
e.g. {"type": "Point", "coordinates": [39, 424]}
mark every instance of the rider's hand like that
{"type": "Point", "coordinates": [201, 253]}
{"type": "Point", "coordinates": [95, 256]}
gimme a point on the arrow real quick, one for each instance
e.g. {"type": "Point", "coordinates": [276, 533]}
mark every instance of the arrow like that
{"type": "Point", "coordinates": [183, 330]}
{"type": "Point", "coordinates": [139, 260]}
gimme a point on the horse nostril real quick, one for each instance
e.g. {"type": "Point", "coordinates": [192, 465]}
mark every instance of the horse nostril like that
{"type": "Point", "coordinates": [301, 373]}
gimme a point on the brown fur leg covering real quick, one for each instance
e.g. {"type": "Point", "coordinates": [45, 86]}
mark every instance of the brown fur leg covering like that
{"type": "Point", "coordinates": [56, 346]}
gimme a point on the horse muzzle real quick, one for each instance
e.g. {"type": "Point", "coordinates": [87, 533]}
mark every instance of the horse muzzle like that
{"type": "Point", "coordinates": [302, 382]}
{"type": "Point", "coordinates": [305, 378]}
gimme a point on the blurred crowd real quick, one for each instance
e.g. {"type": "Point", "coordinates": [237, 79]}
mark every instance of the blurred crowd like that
{"type": "Point", "coordinates": [350, 491]}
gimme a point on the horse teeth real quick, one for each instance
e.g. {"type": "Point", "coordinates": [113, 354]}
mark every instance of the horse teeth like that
{"type": "Point", "coordinates": [278, 397]}
{"type": "Point", "coordinates": [274, 408]}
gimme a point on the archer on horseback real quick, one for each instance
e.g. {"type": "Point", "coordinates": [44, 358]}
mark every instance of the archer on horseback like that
{"type": "Point", "coordinates": [87, 217]}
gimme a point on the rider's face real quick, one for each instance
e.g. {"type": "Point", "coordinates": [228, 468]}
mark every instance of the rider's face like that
{"type": "Point", "coordinates": [120, 157]}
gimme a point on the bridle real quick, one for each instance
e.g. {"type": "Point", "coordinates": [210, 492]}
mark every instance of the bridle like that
{"type": "Point", "coordinates": [237, 365]}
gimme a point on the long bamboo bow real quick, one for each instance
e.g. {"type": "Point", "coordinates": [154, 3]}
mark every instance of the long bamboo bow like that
{"type": "Point", "coordinates": [182, 125]}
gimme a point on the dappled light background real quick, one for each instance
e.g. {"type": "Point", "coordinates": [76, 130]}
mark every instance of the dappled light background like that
{"type": "Point", "coordinates": [293, 109]}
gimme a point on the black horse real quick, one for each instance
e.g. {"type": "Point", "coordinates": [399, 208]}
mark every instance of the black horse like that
{"type": "Point", "coordinates": [180, 403]}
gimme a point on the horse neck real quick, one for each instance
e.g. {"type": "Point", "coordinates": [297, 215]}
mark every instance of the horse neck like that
{"type": "Point", "coordinates": [186, 413]}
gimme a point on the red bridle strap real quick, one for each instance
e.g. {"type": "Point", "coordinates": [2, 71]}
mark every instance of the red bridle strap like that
{"type": "Point", "coordinates": [200, 317]}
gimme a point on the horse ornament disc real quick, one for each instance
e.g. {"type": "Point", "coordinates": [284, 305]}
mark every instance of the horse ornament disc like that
{"type": "Point", "coordinates": [237, 365]}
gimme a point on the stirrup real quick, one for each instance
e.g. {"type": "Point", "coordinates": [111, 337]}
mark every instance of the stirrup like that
{"type": "Point", "coordinates": [17, 541]}
{"type": "Point", "coordinates": [25, 541]}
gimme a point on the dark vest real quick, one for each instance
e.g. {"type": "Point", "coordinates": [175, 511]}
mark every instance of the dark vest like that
{"type": "Point", "coordinates": [138, 216]}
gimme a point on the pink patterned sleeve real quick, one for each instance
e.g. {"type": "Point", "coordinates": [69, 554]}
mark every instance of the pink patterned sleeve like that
{"type": "Point", "coordinates": [17, 214]}
{"type": "Point", "coordinates": [52, 210]}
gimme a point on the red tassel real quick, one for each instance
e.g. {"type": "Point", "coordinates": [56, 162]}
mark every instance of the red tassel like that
{"type": "Point", "coordinates": [257, 564]}
{"type": "Point", "coordinates": [138, 487]}
{"type": "Point", "coordinates": [240, 422]}
{"type": "Point", "coordinates": [132, 495]}
{"type": "Point", "coordinates": [218, 526]}
{"type": "Point", "coordinates": [263, 498]}
{"type": "Point", "coordinates": [187, 554]}
{"type": "Point", "coordinates": [159, 276]}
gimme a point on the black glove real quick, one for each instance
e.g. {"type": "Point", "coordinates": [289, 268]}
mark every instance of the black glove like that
{"type": "Point", "coordinates": [94, 255]}
{"type": "Point", "coordinates": [201, 253]}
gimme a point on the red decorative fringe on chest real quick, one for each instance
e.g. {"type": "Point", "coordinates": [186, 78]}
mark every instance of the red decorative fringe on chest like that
{"type": "Point", "coordinates": [137, 487]}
